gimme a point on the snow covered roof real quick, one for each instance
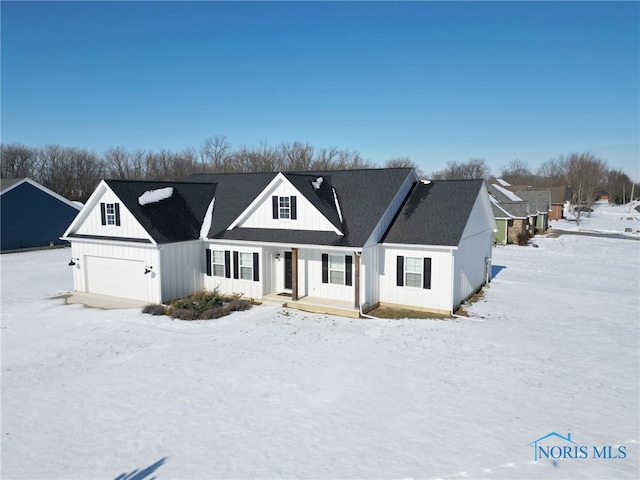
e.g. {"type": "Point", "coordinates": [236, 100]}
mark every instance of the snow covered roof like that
{"type": "Point", "coordinates": [510, 195]}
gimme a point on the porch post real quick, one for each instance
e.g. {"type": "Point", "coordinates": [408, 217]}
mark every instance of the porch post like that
{"type": "Point", "coordinates": [356, 283]}
{"type": "Point", "coordinates": [294, 274]}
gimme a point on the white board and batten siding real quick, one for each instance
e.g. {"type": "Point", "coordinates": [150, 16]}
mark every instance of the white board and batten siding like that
{"type": "Point", "coordinates": [129, 227]}
{"type": "Point", "coordinates": [438, 298]}
{"type": "Point", "coordinates": [230, 285]}
{"type": "Point", "coordinates": [372, 260]}
{"type": "Point", "coordinates": [116, 270]}
{"type": "Point", "coordinates": [182, 269]}
{"type": "Point", "coordinates": [472, 259]}
{"type": "Point", "coordinates": [260, 215]}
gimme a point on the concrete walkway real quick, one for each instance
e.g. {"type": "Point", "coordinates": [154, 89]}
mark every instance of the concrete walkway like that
{"type": "Point", "coordinates": [101, 301]}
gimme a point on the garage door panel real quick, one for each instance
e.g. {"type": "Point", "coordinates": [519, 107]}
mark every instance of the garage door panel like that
{"type": "Point", "coordinates": [117, 277]}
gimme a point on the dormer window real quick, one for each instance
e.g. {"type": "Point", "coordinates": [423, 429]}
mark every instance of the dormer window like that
{"type": "Point", "coordinates": [284, 208]}
{"type": "Point", "coordinates": [110, 214]}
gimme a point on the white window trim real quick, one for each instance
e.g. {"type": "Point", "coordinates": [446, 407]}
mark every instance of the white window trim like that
{"type": "Point", "coordinates": [110, 214]}
{"type": "Point", "coordinates": [342, 271]}
{"type": "Point", "coordinates": [284, 210]}
{"type": "Point", "coordinates": [244, 268]}
{"type": "Point", "coordinates": [419, 271]}
{"type": "Point", "coordinates": [214, 263]}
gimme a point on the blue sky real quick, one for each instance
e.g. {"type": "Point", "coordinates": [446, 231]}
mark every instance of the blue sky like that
{"type": "Point", "coordinates": [436, 82]}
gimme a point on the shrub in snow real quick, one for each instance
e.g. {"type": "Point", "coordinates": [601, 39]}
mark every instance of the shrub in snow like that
{"type": "Point", "coordinates": [215, 312]}
{"type": "Point", "coordinates": [155, 309]}
{"type": "Point", "coordinates": [523, 238]}
{"type": "Point", "coordinates": [239, 305]}
{"type": "Point", "coordinates": [185, 314]}
{"type": "Point", "coordinates": [205, 305]}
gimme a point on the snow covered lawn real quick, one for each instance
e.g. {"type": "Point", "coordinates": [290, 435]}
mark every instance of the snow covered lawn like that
{"type": "Point", "coordinates": [553, 346]}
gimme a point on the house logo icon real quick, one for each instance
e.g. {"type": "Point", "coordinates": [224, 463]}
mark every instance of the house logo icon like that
{"type": "Point", "coordinates": [565, 440]}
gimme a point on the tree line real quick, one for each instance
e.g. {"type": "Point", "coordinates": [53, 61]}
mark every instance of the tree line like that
{"type": "Point", "coordinates": [75, 172]}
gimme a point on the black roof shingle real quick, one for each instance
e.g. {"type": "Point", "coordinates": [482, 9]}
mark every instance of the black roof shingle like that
{"type": "Point", "coordinates": [175, 219]}
{"type": "Point", "coordinates": [434, 213]}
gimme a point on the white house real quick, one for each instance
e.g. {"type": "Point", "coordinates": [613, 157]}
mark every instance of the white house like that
{"type": "Point", "coordinates": [335, 241]}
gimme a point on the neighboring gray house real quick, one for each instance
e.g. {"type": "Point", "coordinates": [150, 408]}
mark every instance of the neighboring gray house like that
{"type": "Point", "coordinates": [330, 241]}
{"type": "Point", "coordinates": [513, 215]}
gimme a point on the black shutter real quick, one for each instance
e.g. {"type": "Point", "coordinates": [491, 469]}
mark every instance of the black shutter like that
{"type": "Point", "coordinates": [325, 268]}
{"type": "Point", "coordinates": [274, 204]}
{"type": "Point", "coordinates": [400, 271]}
{"type": "Point", "coordinates": [294, 210]}
{"type": "Point", "coordinates": [117, 209]}
{"type": "Point", "coordinates": [426, 274]}
{"type": "Point", "coordinates": [348, 263]}
{"type": "Point", "coordinates": [103, 214]}
{"type": "Point", "coordinates": [208, 257]}
{"type": "Point", "coordinates": [256, 268]}
{"type": "Point", "coordinates": [236, 270]}
{"type": "Point", "coordinates": [227, 264]}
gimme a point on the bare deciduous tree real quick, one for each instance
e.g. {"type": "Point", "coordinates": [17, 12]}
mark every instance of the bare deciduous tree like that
{"type": "Point", "coordinates": [517, 173]}
{"type": "Point", "coordinates": [215, 153]}
{"type": "Point", "coordinates": [17, 161]}
{"type": "Point", "coordinates": [473, 169]}
{"type": "Point", "coordinates": [586, 174]}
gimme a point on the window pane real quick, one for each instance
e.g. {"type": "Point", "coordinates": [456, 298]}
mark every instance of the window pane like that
{"type": "Point", "coordinates": [413, 280]}
{"type": "Point", "coordinates": [218, 256]}
{"type": "Point", "coordinates": [246, 266]}
{"type": "Point", "coordinates": [246, 260]}
{"type": "Point", "coordinates": [336, 262]}
{"type": "Point", "coordinates": [284, 207]}
{"type": "Point", "coordinates": [336, 276]}
{"type": "Point", "coordinates": [218, 270]}
{"type": "Point", "coordinates": [413, 265]}
{"type": "Point", "coordinates": [246, 273]}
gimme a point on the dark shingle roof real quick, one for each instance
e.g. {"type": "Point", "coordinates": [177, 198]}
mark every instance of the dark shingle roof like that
{"type": "Point", "coordinates": [175, 219]}
{"type": "Point", "coordinates": [363, 196]}
{"type": "Point", "coordinates": [539, 199]}
{"type": "Point", "coordinates": [435, 213]}
{"type": "Point", "coordinates": [516, 209]}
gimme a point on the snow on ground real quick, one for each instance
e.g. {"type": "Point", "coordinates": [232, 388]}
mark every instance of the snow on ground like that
{"type": "Point", "coordinates": [553, 346]}
{"type": "Point", "coordinates": [605, 218]}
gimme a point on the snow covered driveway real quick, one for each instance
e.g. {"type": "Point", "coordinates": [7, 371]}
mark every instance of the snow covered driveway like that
{"type": "Point", "coordinates": [273, 393]}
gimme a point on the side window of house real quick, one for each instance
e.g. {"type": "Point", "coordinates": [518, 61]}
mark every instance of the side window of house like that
{"type": "Point", "coordinates": [217, 259]}
{"type": "Point", "coordinates": [284, 208]}
{"type": "Point", "coordinates": [218, 263]}
{"type": "Point", "coordinates": [246, 266]}
{"type": "Point", "coordinates": [413, 272]}
{"type": "Point", "coordinates": [110, 214]}
{"type": "Point", "coordinates": [337, 269]}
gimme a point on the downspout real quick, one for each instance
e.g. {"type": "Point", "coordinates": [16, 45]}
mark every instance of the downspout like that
{"type": "Point", "coordinates": [362, 314]}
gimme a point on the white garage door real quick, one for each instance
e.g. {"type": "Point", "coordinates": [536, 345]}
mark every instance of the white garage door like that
{"type": "Point", "coordinates": [117, 277]}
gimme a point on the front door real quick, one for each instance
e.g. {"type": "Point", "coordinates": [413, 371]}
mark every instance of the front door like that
{"type": "Point", "coordinates": [288, 271]}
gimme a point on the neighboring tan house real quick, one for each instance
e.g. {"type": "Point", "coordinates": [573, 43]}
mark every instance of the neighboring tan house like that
{"type": "Point", "coordinates": [32, 216]}
{"type": "Point", "coordinates": [331, 241]}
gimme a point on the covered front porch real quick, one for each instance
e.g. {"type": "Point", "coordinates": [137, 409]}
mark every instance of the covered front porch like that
{"type": "Point", "coordinates": [314, 304]}
{"type": "Point", "coordinates": [314, 279]}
